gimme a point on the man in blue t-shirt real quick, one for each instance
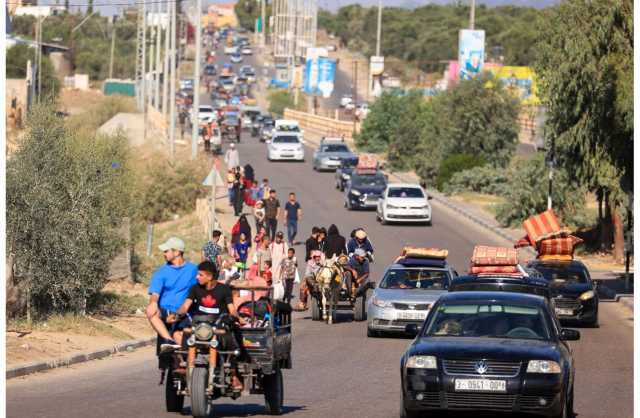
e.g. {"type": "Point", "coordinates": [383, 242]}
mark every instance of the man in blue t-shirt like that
{"type": "Point", "coordinates": [169, 287]}
{"type": "Point", "coordinates": [293, 213]}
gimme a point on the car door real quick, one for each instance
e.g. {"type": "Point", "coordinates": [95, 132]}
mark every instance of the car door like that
{"type": "Point", "coordinates": [382, 200]}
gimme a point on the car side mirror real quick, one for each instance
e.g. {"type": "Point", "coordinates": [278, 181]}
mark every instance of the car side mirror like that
{"type": "Point", "coordinates": [411, 329]}
{"type": "Point", "coordinates": [569, 334]}
{"type": "Point", "coordinates": [268, 141]}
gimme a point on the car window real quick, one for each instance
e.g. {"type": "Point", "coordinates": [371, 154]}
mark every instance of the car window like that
{"type": "Point", "coordinates": [286, 140]}
{"type": "Point", "coordinates": [488, 320]}
{"type": "Point", "coordinates": [405, 192]}
{"type": "Point", "coordinates": [334, 148]}
{"type": "Point", "coordinates": [416, 278]}
{"type": "Point", "coordinates": [368, 181]}
{"type": "Point", "coordinates": [561, 275]}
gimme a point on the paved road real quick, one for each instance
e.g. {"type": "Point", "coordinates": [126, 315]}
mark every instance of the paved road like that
{"type": "Point", "coordinates": [338, 371]}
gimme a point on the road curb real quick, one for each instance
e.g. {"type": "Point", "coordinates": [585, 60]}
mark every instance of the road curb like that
{"type": "Point", "coordinates": [78, 358]}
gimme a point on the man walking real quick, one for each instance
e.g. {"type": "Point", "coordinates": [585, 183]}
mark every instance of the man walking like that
{"type": "Point", "coordinates": [232, 158]}
{"type": "Point", "coordinates": [293, 213]}
{"type": "Point", "coordinates": [312, 243]}
{"type": "Point", "coordinates": [212, 251]}
{"type": "Point", "coordinates": [271, 214]}
{"type": "Point", "coordinates": [169, 287]}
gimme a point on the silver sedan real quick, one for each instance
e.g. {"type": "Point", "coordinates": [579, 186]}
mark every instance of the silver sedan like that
{"type": "Point", "coordinates": [405, 296]}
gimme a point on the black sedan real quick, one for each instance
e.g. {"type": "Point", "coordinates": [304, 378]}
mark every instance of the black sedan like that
{"type": "Point", "coordinates": [489, 351]}
{"type": "Point", "coordinates": [362, 191]}
{"type": "Point", "coordinates": [574, 293]}
{"type": "Point", "coordinates": [343, 172]}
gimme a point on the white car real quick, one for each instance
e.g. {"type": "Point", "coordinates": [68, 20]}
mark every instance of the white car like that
{"type": "Point", "coordinates": [285, 146]}
{"type": "Point", "coordinates": [403, 202]}
{"type": "Point", "coordinates": [230, 50]}
{"type": "Point", "coordinates": [236, 58]}
{"type": "Point", "coordinates": [346, 100]}
{"type": "Point", "coordinates": [247, 51]}
{"type": "Point", "coordinates": [206, 114]}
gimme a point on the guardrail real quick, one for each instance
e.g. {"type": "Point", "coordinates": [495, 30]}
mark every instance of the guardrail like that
{"type": "Point", "coordinates": [321, 125]}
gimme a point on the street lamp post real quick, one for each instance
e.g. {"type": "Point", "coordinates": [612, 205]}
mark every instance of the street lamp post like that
{"type": "Point", "coordinates": [552, 163]}
{"type": "Point", "coordinates": [472, 16]}
{"type": "Point", "coordinates": [196, 87]}
{"type": "Point", "coordinates": [378, 36]}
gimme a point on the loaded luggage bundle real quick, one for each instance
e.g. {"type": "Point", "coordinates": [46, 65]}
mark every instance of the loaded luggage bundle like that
{"type": "Point", "coordinates": [495, 260]}
{"type": "Point", "coordinates": [367, 164]}
{"type": "Point", "coordinates": [426, 256]}
{"type": "Point", "coordinates": [550, 239]}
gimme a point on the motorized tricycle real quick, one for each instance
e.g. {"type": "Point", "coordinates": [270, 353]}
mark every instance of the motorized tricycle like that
{"type": "Point", "coordinates": [203, 368]}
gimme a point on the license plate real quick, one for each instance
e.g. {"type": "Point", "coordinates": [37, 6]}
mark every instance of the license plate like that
{"type": "Point", "coordinates": [412, 315]}
{"type": "Point", "coordinates": [481, 385]}
{"type": "Point", "coordinates": [564, 312]}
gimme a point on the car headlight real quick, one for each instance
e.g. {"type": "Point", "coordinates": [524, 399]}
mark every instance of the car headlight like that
{"type": "Point", "coordinates": [426, 207]}
{"type": "Point", "coordinates": [355, 193]}
{"type": "Point", "coordinates": [422, 362]}
{"type": "Point", "coordinates": [203, 331]}
{"type": "Point", "coordinates": [590, 294]}
{"type": "Point", "coordinates": [381, 303]}
{"type": "Point", "coordinates": [543, 366]}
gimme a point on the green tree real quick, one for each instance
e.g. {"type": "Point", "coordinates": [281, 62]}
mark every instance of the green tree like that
{"type": "Point", "coordinates": [248, 11]}
{"type": "Point", "coordinates": [66, 197]}
{"type": "Point", "coordinates": [17, 57]}
{"type": "Point", "coordinates": [280, 100]}
{"type": "Point", "coordinates": [526, 194]}
{"type": "Point", "coordinates": [479, 117]}
{"type": "Point", "coordinates": [90, 7]}
{"type": "Point", "coordinates": [456, 163]}
{"type": "Point", "coordinates": [585, 67]}
{"type": "Point", "coordinates": [381, 124]}
{"type": "Point", "coordinates": [415, 113]}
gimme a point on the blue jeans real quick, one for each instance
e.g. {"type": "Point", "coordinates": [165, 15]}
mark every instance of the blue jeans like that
{"type": "Point", "coordinates": [292, 229]}
{"type": "Point", "coordinates": [232, 196]}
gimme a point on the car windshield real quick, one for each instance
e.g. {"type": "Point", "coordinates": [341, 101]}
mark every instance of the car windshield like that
{"type": "Point", "coordinates": [286, 140]}
{"type": "Point", "coordinates": [335, 148]}
{"type": "Point", "coordinates": [488, 320]}
{"type": "Point", "coordinates": [376, 180]}
{"type": "Point", "coordinates": [405, 192]}
{"type": "Point", "coordinates": [226, 81]}
{"type": "Point", "coordinates": [289, 128]}
{"type": "Point", "coordinates": [559, 274]}
{"type": "Point", "coordinates": [416, 278]}
{"type": "Point", "coordinates": [206, 109]}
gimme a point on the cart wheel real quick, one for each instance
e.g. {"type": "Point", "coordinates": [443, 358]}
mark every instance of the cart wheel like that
{"type": "Point", "coordinates": [359, 310]}
{"type": "Point", "coordinates": [273, 392]}
{"type": "Point", "coordinates": [316, 313]}
{"type": "Point", "coordinates": [174, 401]}
{"type": "Point", "coordinates": [200, 405]}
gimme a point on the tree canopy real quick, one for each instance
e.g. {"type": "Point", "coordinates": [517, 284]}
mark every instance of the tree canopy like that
{"type": "Point", "coordinates": [17, 57]}
{"type": "Point", "coordinates": [428, 35]}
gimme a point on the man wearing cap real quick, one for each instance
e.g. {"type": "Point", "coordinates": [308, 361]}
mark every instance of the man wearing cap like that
{"type": "Point", "coordinates": [169, 287]}
{"type": "Point", "coordinates": [359, 240]}
{"type": "Point", "coordinates": [359, 268]}
{"type": "Point", "coordinates": [313, 265]}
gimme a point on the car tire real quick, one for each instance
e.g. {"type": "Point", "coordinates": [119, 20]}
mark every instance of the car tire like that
{"type": "Point", "coordinates": [316, 315]}
{"type": "Point", "coordinates": [383, 221]}
{"type": "Point", "coordinates": [566, 412]}
{"type": "Point", "coordinates": [200, 405]}
{"type": "Point", "coordinates": [594, 322]}
{"type": "Point", "coordinates": [372, 333]}
{"type": "Point", "coordinates": [428, 223]}
{"type": "Point", "coordinates": [174, 402]}
{"type": "Point", "coordinates": [348, 204]}
{"type": "Point", "coordinates": [273, 392]}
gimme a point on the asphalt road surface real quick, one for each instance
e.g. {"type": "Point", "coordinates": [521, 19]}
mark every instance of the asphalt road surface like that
{"type": "Point", "coordinates": [337, 371]}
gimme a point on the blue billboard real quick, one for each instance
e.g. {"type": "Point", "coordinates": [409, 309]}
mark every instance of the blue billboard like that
{"type": "Point", "coordinates": [319, 74]}
{"type": "Point", "coordinates": [470, 53]}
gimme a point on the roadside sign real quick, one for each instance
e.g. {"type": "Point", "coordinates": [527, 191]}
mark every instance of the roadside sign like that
{"type": "Point", "coordinates": [209, 180]}
{"type": "Point", "coordinates": [319, 74]}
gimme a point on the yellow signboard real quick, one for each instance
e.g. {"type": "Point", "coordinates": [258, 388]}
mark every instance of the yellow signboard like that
{"type": "Point", "coordinates": [521, 81]}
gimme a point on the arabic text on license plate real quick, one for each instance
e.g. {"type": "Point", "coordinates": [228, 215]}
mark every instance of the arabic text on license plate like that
{"type": "Point", "coordinates": [564, 312]}
{"type": "Point", "coordinates": [412, 315]}
{"type": "Point", "coordinates": [481, 385]}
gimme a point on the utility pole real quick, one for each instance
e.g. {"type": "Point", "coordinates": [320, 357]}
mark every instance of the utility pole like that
{"type": "Point", "coordinates": [113, 47]}
{"type": "Point", "coordinates": [196, 79]}
{"type": "Point", "coordinates": [355, 82]}
{"type": "Point", "coordinates": [379, 28]}
{"type": "Point", "coordinates": [144, 65]}
{"type": "Point", "coordinates": [172, 103]}
{"type": "Point", "coordinates": [165, 70]}
{"type": "Point", "coordinates": [263, 13]}
{"type": "Point", "coordinates": [472, 17]}
{"type": "Point", "coordinates": [140, 58]}
{"type": "Point", "coordinates": [156, 96]}
{"type": "Point", "coordinates": [40, 20]}
{"type": "Point", "coordinates": [552, 163]}
{"type": "Point", "coordinates": [152, 81]}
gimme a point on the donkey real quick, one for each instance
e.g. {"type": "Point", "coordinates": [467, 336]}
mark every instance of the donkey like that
{"type": "Point", "coordinates": [329, 280]}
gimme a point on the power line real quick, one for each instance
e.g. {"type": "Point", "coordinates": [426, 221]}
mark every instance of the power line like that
{"type": "Point", "coordinates": [133, 3]}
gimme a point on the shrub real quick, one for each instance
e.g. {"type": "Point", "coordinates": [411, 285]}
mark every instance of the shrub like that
{"type": "Point", "coordinates": [66, 197]}
{"type": "Point", "coordinates": [527, 193]}
{"type": "Point", "coordinates": [482, 179]}
{"type": "Point", "coordinates": [453, 164]}
{"type": "Point", "coordinates": [279, 100]}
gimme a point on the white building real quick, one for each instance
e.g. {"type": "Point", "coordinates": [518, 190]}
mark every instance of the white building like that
{"type": "Point", "coordinates": [38, 11]}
